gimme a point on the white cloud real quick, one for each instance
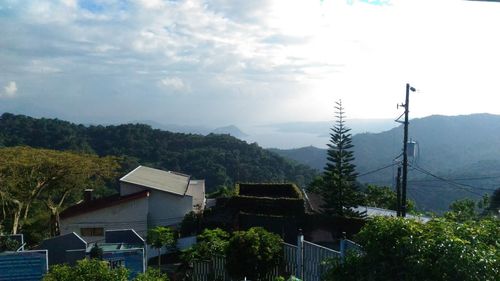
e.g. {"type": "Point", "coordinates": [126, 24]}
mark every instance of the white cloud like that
{"type": "Point", "coordinates": [301, 54]}
{"type": "Point", "coordinates": [175, 83]}
{"type": "Point", "coordinates": [10, 90]}
{"type": "Point", "coordinates": [151, 4]}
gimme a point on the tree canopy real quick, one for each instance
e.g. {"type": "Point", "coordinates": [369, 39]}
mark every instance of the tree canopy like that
{"type": "Point", "coordinates": [47, 180]}
{"type": "Point", "coordinates": [383, 197]}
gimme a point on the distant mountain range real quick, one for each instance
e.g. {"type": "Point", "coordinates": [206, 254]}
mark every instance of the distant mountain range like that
{"type": "Point", "coordinates": [231, 130]}
{"type": "Point", "coordinates": [463, 148]}
{"type": "Point", "coordinates": [278, 135]}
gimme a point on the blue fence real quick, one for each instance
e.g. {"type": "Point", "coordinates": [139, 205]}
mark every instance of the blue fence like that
{"type": "Point", "coordinates": [132, 259]}
{"type": "Point", "coordinates": [26, 266]}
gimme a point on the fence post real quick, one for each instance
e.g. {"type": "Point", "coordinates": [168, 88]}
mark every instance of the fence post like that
{"type": "Point", "coordinates": [300, 256]}
{"type": "Point", "coordinates": [342, 247]}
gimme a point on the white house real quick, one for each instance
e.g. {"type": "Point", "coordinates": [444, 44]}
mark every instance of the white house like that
{"type": "Point", "coordinates": [148, 197]}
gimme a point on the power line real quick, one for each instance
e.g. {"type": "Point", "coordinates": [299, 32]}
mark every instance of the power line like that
{"type": "Point", "coordinates": [457, 184]}
{"type": "Point", "coordinates": [450, 186]}
{"type": "Point", "coordinates": [456, 179]}
{"type": "Point", "coordinates": [377, 170]}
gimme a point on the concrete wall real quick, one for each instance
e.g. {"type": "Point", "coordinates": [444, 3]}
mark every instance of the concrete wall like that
{"type": "Point", "coordinates": [132, 214]}
{"type": "Point", "coordinates": [168, 209]}
{"type": "Point", "coordinates": [128, 188]}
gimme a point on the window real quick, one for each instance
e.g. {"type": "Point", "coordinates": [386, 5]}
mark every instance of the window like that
{"type": "Point", "coordinates": [92, 231]}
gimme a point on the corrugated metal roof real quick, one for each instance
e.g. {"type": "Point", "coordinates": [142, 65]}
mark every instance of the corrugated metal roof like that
{"type": "Point", "coordinates": [172, 182]}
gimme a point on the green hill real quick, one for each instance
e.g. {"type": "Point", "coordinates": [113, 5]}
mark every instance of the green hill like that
{"type": "Point", "coordinates": [221, 160]}
{"type": "Point", "coordinates": [465, 148]}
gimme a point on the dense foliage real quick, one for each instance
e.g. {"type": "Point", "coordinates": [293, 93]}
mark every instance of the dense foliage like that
{"type": "Point", "coordinates": [86, 270]}
{"type": "Point", "coordinates": [462, 210]}
{"type": "Point", "coordinates": [253, 253]}
{"type": "Point", "coordinates": [339, 189]}
{"type": "Point", "coordinates": [97, 270]}
{"type": "Point", "coordinates": [221, 160]}
{"type": "Point", "coordinates": [210, 243]}
{"type": "Point", "coordinates": [402, 249]}
{"type": "Point", "coordinates": [383, 197]}
{"type": "Point", "coordinates": [37, 184]}
{"type": "Point", "coordinates": [8, 244]}
{"type": "Point", "coordinates": [152, 274]}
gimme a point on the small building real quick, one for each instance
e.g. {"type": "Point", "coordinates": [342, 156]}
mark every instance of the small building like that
{"type": "Point", "coordinates": [148, 197]}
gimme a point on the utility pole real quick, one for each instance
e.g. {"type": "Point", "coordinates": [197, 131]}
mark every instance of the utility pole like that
{"type": "Point", "coordinates": [405, 155]}
{"type": "Point", "coordinates": [398, 193]}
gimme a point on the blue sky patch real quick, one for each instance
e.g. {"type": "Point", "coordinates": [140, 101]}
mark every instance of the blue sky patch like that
{"type": "Point", "coordinates": [91, 6]}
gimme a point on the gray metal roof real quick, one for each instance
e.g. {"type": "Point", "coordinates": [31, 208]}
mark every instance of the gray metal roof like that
{"type": "Point", "coordinates": [197, 190]}
{"type": "Point", "coordinates": [172, 182]}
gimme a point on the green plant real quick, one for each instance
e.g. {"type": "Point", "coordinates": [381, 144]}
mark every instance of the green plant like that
{"type": "Point", "coordinates": [8, 244]}
{"type": "Point", "coordinates": [402, 249]}
{"type": "Point", "coordinates": [210, 243]}
{"type": "Point", "coordinates": [152, 274]}
{"type": "Point", "coordinates": [462, 210]}
{"type": "Point", "coordinates": [159, 237]}
{"type": "Point", "coordinates": [253, 253]}
{"type": "Point", "coordinates": [96, 252]}
{"type": "Point", "coordinates": [86, 270]}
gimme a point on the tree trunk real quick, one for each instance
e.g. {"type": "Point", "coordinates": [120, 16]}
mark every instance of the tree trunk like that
{"type": "Point", "coordinates": [17, 217]}
{"type": "Point", "coordinates": [54, 222]}
{"type": "Point", "coordinates": [34, 194]}
{"type": "Point", "coordinates": [4, 212]}
{"type": "Point", "coordinates": [159, 258]}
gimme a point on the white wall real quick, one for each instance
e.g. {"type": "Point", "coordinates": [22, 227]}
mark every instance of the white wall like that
{"type": "Point", "coordinates": [168, 209]}
{"type": "Point", "coordinates": [128, 188]}
{"type": "Point", "coordinates": [132, 214]}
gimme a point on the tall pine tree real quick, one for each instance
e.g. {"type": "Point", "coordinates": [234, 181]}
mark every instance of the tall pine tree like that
{"type": "Point", "coordinates": [340, 191]}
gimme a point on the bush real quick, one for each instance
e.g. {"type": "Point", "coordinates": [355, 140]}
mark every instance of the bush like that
{"type": "Point", "coordinates": [402, 249]}
{"type": "Point", "coordinates": [8, 244]}
{"type": "Point", "coordinates": [253, 253]}
{"type": "Point", "coordinates": [210, 243]}
{"type": "Point", "coordinates": [86, 270]}
{"type": "Point", "coordinates": [152, 275]}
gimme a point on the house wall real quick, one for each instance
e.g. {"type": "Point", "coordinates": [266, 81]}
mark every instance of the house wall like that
{"type": "Point", "coordinates": [167, 208]}
{"type": "Point", "coordinates": [132, 214]}
{"type": "Point", "coordinates": [128, 188]}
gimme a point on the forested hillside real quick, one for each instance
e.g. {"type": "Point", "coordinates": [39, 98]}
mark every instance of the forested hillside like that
{"type": "Point", "coordinates": [463, 148]}
{"type": "Point", "coordinates": [221, 160]}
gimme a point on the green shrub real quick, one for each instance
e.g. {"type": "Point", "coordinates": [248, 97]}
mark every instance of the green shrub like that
{"type": "Point", "coordinates": [253, 253]}
{"type": "Point", "coordinates": [402, 249]}
{"type": "Point", "coordinates": [152, 274]}
{"type": "Point", "coordinates": [86, 270]}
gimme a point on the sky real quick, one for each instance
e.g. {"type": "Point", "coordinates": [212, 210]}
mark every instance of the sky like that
{"type": "Point", "coordinates": [220, 62]}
